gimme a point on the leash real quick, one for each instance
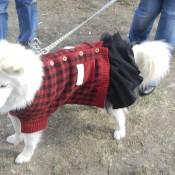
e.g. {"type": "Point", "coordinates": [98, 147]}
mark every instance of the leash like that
{"type": "Point", "coordinates": [57, 42]}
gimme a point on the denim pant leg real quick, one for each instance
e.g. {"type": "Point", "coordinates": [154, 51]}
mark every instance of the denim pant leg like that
{"type": "Point", "coordinates": [166, 26]}
{"type": "Point", "coordinates": [143, 19]}
{"type": "Point", "coordinates": [3, 18]}
{"type": "Point", "coordinates": [28, 19]}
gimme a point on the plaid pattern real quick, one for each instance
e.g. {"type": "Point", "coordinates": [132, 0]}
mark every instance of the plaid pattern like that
{"type": "Point", "coordinates": [59, 83]}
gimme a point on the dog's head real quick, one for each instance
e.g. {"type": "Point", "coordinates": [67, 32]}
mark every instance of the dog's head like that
{"type": "Point", "coordinates": [16, 69]}
{"type": "Point", "coordinates": [152, 59]}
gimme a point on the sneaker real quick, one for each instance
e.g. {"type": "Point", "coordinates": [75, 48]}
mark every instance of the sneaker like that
{"type": "Point", "coordinates": [34, 45]}
{"type": "Point", "coordinates": [146, 90]}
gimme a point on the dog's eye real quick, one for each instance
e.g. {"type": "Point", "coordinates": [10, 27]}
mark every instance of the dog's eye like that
{"type": "Point", "coordinates": [3, 85]}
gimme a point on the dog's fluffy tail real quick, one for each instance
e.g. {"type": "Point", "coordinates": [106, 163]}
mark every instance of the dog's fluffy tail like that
{"type": "Point", "coordinates": [152, 59]}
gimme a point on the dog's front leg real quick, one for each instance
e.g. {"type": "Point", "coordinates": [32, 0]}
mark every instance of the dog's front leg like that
{"type": "Point", "coordinates": [119, 116]}
{"type": "Point", "coordinates": [30, 141]}
{"type": "Point", "coordinates": [17, 137]}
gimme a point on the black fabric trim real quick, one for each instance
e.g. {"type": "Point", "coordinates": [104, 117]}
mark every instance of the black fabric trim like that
{"type": "Point", "coordinates": [124, 74]}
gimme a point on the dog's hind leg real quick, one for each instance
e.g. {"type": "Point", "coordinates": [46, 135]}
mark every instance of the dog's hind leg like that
{"type": "Point", "coordinates": [17, 137]}
{"type": "Point", "coordinates": [119, 116]}
{"type": "Point", "coordinates": [30, 140]}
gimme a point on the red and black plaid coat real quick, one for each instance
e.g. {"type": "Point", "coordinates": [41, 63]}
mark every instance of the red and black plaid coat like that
{"type": "Point", "coordinates": [59, 84]}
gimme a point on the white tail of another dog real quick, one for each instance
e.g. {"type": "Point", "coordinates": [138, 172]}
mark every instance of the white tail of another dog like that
{"type": "Point", "coordinates": [153, 60]}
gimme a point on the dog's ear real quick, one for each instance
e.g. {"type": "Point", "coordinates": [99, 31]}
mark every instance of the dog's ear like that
{"type": "Point", "coordinates": [14, 70]}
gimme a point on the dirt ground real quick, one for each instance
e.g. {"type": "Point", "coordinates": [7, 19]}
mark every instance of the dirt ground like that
{"type": "Point", "coordinates": [79, 140]}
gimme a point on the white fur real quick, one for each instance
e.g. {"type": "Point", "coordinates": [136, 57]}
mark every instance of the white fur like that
{"type": "Point", "coordinates": [119, 116]}
{"type": "Point", "coordinates": [21, 76]}
{"type": "Point", "coordinates": [30, 141]}
{"type": "Point", "coordinates": [152, 59]}
{"type": "Point", "coordinates": [18, 67]}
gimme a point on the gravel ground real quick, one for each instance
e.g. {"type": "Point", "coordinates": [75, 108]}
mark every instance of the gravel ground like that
{"type": "Point", "coordinates": [79, 138]}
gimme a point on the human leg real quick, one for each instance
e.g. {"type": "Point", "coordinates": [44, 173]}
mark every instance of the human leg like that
{"type": "Point", "coordinates": [165, 31]}
{"type": "Point", "coordinates": [3, 18]}
{"type": "Point", "coordinates": [146, 90]}
{"type": "Point", "coordinates": [28, 20]}
{"type": "Point", "coordinates": [166, 26]}
{"type": "Point", "coordinates": [143, 19]}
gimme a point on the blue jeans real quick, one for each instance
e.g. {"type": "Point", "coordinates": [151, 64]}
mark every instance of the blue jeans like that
{"type": "Point", "coordinates": [27, 17]}
{"type": "Point", "coordinates": [145, 15]}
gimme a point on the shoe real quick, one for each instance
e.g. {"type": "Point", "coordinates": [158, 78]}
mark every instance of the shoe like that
{"type": "Point", "coordinates": [146, 90]}
{"type": "Point", "coordinates": [34, 45]}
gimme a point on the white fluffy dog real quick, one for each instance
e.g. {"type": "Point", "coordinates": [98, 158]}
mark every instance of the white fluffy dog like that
{"type": "Point", "coordinates": [21, 73]}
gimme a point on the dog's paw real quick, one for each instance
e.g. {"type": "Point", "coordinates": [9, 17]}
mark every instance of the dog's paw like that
{"type": "Point", "coordinates": [22, 159]}
{"type": "Point", "coordinates": [14, 139]}
{"type": "Point", "coordinates": [119, 134]}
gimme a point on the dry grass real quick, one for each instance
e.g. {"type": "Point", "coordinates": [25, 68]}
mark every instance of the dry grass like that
{"type": "Point", "coordinates": [79, 140]}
